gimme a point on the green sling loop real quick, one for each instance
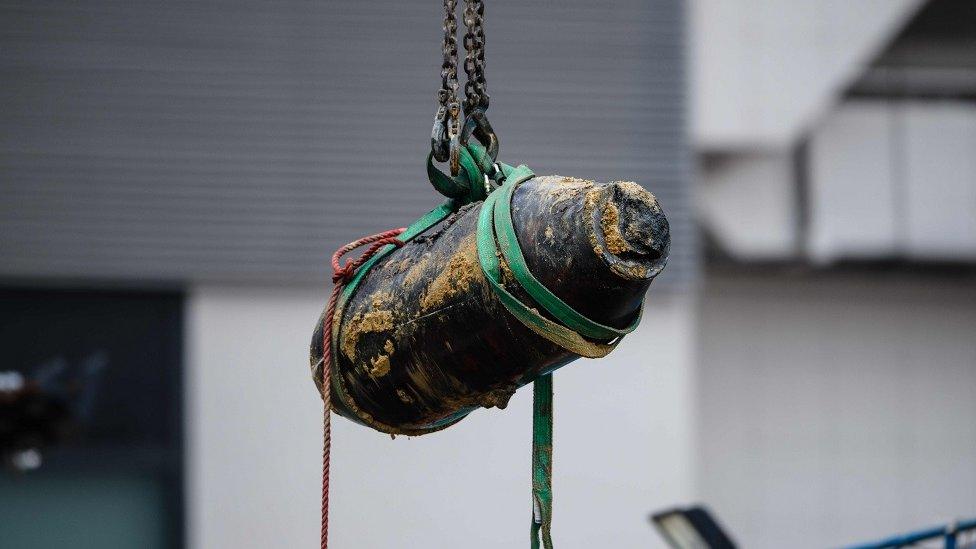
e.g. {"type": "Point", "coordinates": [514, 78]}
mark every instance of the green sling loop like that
{"type": "Point", "coordinates": [508, 244]}
{"type": "Point", "coordinates": [488, 226]}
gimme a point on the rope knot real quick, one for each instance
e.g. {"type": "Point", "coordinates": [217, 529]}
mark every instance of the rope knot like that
{"type": "Point", "coordinates": [342, 274]}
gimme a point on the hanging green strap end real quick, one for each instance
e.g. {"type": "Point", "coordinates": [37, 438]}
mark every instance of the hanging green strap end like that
{"type": "Point", "coordinates": [542, 462]}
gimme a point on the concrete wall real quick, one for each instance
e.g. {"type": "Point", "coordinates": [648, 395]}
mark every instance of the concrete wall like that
{"type": "Point", "coordinates": [763, 70]}
{"type": "Point", "coordinates": [894, 178]}
{"type": "Point", "coordinates": [836, 410]}
{"type": "Point", "coordinates": [623, 441]}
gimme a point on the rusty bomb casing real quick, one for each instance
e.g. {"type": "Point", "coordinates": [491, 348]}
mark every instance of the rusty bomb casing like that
{"type": "Point", "coordinates": [424, 340]}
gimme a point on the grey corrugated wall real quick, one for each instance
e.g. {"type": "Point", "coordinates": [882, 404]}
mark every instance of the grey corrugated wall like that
{"type": "Point", "coordinates": [245, 140]}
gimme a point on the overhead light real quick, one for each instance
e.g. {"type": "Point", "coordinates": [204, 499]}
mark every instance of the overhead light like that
{"type": "Point", "coordinates": [691, 528]}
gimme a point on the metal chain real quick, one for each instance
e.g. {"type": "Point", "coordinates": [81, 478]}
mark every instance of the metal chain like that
{"type": "Point", "coordinates": [476, 88]}
{"type": "Point", "coordinates": [449, 134]}
{"type": "Point", "coordinates": [447, 96]}
{"type": "Point", "coordinates": [447, 120]}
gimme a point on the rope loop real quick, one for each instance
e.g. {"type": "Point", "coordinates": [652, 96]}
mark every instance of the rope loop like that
{"type": "Point", "coordinates": [340, 276]}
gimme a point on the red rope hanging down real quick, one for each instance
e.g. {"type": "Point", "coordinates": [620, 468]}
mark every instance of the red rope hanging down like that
{"type": "Point", "coordinates": [340, 276]}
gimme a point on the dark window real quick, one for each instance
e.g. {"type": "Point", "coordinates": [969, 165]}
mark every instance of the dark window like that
{"type": "Point", "coordinates": [104, 370]}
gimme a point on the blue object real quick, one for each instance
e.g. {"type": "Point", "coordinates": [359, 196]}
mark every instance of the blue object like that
{"type": "Point", "coordinates": [949, 532]}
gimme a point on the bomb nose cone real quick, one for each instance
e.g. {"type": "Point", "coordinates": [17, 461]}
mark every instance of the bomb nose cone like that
{"type": "Point", "coordinates": [632, 232]}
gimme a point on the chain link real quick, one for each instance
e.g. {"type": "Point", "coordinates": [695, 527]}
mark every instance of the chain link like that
{"type": "Point", "coordinates": [447, 96]}
{"type": "Point", "coordinates": [476, 88]}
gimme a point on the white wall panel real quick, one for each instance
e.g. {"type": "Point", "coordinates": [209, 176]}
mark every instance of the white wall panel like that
{"type": "Point", "coordinates": [836, 410]}
{"type": "Point", "coordinates": [853, 198]}
{"type": "Point", "coordinates": [748, 204]}
{"type": "Point", "coordinates": [623, 441]}
{"type": "Point", "coordinates": [894, 179]}
{"type": "Point", "coordinates": [940, 180]}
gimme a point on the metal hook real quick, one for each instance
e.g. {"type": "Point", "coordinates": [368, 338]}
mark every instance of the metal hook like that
{"type": "Point", "coordinates": [438, 136]}
{"type": "Point", "coordinates": [476, 123]}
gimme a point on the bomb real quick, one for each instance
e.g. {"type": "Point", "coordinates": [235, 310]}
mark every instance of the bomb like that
{"type": "Point", "coordinates": [425, 339]}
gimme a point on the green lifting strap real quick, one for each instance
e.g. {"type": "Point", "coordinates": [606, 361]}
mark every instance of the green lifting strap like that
{"type": "Point", "coordinates": [495, 231]}
{"type": "Point", "coordinates": [553, 331]}
{"type": "Point", "coordinates": [428, 220]}
{"type": "Point", "coordinates": [469, 186]}
{"type": "Point", "coordinates": [542, 462]}
{"type": "Point", "coordinates": [570, 330]}
{"type": "Point", "coordinates": [509, 246]}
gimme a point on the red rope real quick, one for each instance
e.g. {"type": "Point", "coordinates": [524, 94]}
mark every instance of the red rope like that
{"type": "Point", "coordinates": [340, 276]}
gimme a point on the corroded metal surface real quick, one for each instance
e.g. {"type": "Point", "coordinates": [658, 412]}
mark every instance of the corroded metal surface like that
{"type": "Point", "coordinates": [424, 339]}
